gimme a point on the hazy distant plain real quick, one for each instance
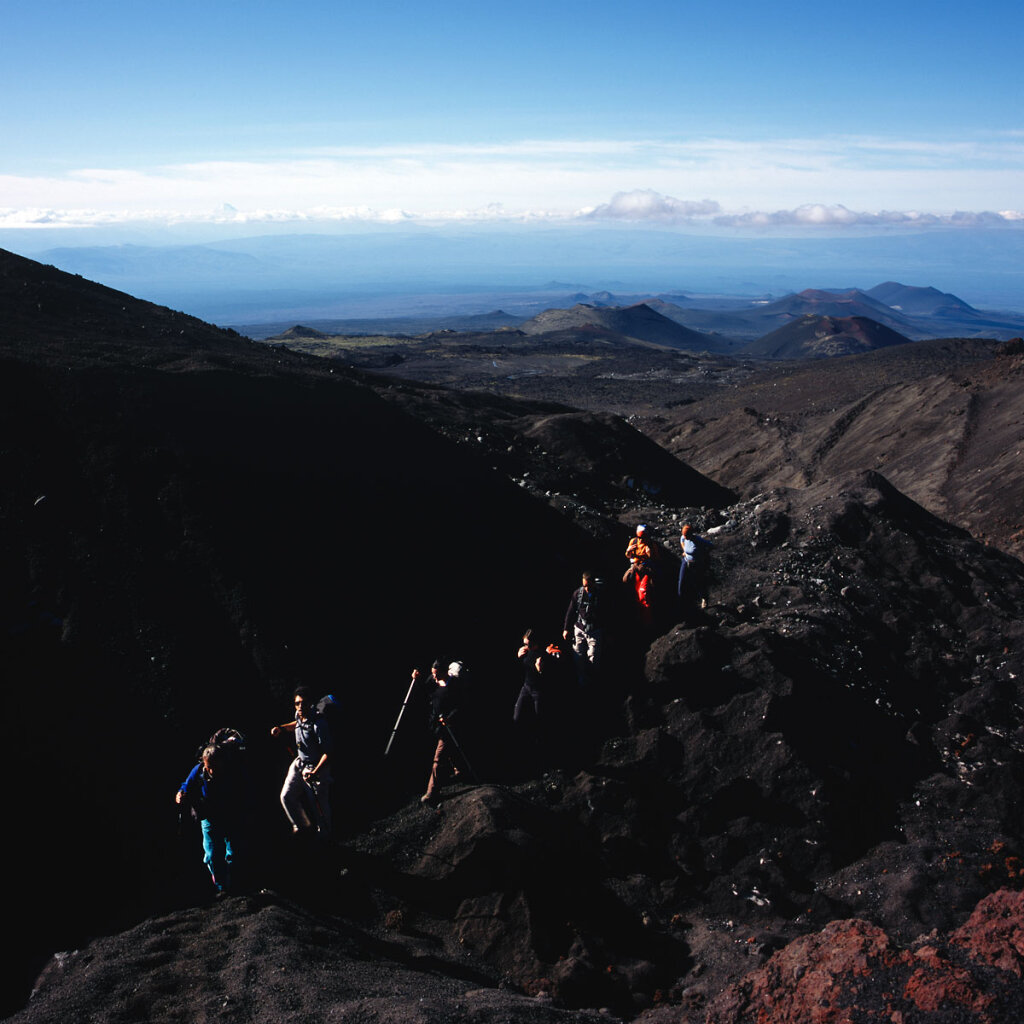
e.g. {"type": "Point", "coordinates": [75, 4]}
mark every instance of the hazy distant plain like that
{"type": "Point", "coordinates": [437, 271]}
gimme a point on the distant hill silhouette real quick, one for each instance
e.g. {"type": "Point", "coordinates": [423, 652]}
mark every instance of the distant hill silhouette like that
{"type": "Point", "coordinates": [920, 301]}
{"type": "Point", "coordinates": [639, 322]}
{"type": "Point", "coordinates": [298, 331]}
{"type": "Point", "coordinates": [723, 323]}
{"type": "Point", "coordinates": [915, 313]}
{"type": "Point", "coordinates": [836, 304]}
{"type": "Point", "coordinates": [816, 337]}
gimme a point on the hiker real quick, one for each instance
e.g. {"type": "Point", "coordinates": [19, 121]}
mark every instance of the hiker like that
{"type": "Point", "coordinates": [693, 583]}
{"type": "Point", "coordinates": [529, 643]}
{"type": "Point", "coordinates": [529, 653]}
{"type": "Point", "coordinates": [642, 553]}
{"type": "Point", "coordinates": [583, 626]}
{"type": "Point", "coordinates": [306, 793]}
{"type": "Point", "coordinates": [443, 708]}
{"type": "Point", "coordinates": [214, 790]}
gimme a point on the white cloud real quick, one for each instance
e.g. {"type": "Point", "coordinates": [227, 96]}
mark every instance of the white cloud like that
{"type": "Point", "coordinates": [795, 183]}
{"type": "Point", "coordinates": [648, 205]}
{"type": "Point", "coordinates": [818, 215]}
{"type": "Point", "coordinates": [641, 206]}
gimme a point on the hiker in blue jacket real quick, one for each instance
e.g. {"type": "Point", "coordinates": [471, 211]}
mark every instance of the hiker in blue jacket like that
{"type": "Point", "coordinates": [214, 791]}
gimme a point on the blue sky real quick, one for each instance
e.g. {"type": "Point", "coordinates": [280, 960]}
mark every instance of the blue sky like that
{"type": "Point", "coordinates": [799, 116]}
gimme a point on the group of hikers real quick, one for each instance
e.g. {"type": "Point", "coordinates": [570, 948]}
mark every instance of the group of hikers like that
{"type": "Point", "coordinates": [217, 791]}
{"type": "Point", "coordinates": [645, 570]}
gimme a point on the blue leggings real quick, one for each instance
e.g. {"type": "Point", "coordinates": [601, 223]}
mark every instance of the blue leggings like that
{"type": "Point", "coordinates": [218, 854]}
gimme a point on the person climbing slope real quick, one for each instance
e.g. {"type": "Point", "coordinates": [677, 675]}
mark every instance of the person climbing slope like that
{"type": "Point", "coordinates": [306, 793]}
{"type": "Point", "coordinates": [693, 570]}
{"type": "Point", "coordinates": [215, 791]}
{"type": "Point", "coordinates": [583, 625]}
{"type": "Point", "coordinates": [443, 707]}
{"type": "Point", "coordinates": [642, 553]}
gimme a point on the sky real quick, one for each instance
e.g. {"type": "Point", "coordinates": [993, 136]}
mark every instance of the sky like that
{"type": "Point", "coordinates": [738, 116]}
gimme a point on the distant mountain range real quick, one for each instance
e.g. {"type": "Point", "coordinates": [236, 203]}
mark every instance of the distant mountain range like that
{"type": "Point", "coordinates": [916, 313]}
{"type": "Point", "coordinates": [293, 278]}
{"type": "Point", "coordinates": [721, 325]}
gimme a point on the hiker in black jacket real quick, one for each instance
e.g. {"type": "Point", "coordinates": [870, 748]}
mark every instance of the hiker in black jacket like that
{"type": "Point", "coordinates": [443, 706]}
{"type": "Point", "coordinates": [584, 626]}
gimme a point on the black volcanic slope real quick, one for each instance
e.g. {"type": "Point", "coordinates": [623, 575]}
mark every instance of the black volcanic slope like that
{"type": "Point", "coordinates": [56, 318]}
{"type": "Point", "coordinates": [940, 419]}
{"type": "Point", "coordinates": [192, 524]}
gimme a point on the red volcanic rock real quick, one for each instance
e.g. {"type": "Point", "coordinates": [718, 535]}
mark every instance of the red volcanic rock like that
{"type": "Point", "coordinates": [809, 980]}
{"type": "Point", "coordinates": [851, 971]}
{"type": "Point", "coordinates": [994, 933]}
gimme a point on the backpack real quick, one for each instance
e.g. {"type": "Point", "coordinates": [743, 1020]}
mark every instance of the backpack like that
{"type": "Point", "coordinates": [329, 708]}
{"type": "Point", "coordinates": [221, 738]}
{"type": "Point", "coordinates": [230, 744]}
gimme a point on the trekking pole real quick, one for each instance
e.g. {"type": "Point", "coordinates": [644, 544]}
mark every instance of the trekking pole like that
{"type": "Point", "coordinates": [401, 712]}
{"type": "Point", "coordinates": [315, 795]}
{"type": "Point", "coordinates": [462, 753]}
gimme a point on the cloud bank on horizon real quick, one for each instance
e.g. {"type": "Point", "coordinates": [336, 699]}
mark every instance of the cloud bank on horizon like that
{"type": "Point", "coordinates": [745, 117]}
{"type": "Point", "coordinates": [851, 182]}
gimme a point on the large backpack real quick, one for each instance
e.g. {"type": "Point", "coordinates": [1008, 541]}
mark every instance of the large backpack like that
{"type": "Point", "coordinates": [329, 708]}
{"type": "Point", "coordinates": [222, 738]}
{"type": "Point", "coordinates": [230, 744]}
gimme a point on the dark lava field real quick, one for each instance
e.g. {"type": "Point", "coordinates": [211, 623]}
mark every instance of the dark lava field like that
{"type": "Point", "coordinates": [801, 803]}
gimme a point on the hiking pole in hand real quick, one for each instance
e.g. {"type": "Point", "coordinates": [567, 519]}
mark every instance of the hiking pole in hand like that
{"type": "Point", "coordinates": [398, 720]}
{"type": "Point", "coordinates": [455, 743]}
{"type": "Point", "coordinates": [307, 778]}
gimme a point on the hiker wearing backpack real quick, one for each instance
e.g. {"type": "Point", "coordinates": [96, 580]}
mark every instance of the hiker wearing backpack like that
{"type": "Point", "coordinates": [443, 708]}
{"type": "Point", "coordinates": [643, 555]}
{"type": "Point", "coordinates": [583, 626]}
{"type": "Point", "coordinates": [693, 582]}
{"type": "Point", "coordinates": [214, 790]}
{"type": "Point", "coordinates": [306, 793]}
